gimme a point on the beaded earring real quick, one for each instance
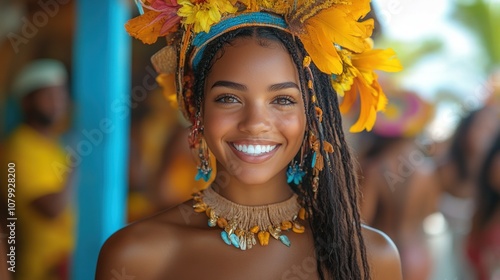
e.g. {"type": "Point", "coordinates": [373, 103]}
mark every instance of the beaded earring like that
{"type": "Point", "coordinates": [295, 171]}
{"type": "Point", "coordinates": [198, 144]}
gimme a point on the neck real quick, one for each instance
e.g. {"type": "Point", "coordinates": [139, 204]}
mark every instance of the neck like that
{"type": "Point", "coordinates": [40, 128]}
{"type": "Point", "coordinates": [274, 191]}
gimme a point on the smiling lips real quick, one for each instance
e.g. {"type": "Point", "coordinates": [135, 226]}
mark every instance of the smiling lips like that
{"type": "Point", "coordinates": [254, 153]}
{"type": "Point", "coordinates": [254, 150]}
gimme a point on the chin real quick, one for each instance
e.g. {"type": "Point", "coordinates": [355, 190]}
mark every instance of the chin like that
{"type": "Point", "coordinates": [252, 180]}
{"type": "Point", "coordinates": [249, 174]}
{"type": "Point", "coordinates": [253, 177]}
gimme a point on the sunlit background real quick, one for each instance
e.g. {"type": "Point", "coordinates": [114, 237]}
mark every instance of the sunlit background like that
{"type": "Point", "coordinates": [448, 49]}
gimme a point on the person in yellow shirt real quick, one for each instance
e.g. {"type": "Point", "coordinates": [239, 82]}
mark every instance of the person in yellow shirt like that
{"type": "Point", "coordinates": [43, 192]}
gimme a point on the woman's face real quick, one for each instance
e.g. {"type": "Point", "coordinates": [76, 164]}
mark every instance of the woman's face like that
{"type": "Point", "coordinates": [253, 116]}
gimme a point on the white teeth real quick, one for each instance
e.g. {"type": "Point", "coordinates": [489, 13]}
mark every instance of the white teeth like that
{"type": "Point", "coordinates": [255, 150]}
{"type": "Point", "coordinates": [259, 149]}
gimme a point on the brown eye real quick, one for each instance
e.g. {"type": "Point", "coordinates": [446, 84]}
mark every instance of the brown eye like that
{"type": "Point", "coordinates": [226, 99]}
{"type": "Point", "coordinates": [284, 100]}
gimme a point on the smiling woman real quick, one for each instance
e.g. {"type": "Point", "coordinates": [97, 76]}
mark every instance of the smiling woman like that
{"type": "Point", "coordinates": [261, 100]}
{"type": "Point", "coordinates": [253, 102]}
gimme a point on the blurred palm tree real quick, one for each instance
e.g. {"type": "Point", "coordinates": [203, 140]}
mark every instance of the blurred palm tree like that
{"type": "Point", "coordinates": [482, 17]}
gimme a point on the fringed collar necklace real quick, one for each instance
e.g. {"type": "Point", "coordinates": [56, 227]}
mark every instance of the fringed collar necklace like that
{"type": "Point", "coordinates": [243, 225]}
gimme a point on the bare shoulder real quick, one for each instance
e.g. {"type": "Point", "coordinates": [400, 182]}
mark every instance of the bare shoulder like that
{"type": "Point", "coordinates": [144, 249]}
{"type": "Point", "coordinates": [382, 253]}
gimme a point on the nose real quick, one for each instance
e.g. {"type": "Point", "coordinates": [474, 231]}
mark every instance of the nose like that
{"type": "Point", "coordinates": [256, 119]}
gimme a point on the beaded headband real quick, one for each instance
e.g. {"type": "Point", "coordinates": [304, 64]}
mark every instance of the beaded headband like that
{"type": "Point", "coordinates": [232, 23]}
{"type": "Point", "coordinates": [333, 33]}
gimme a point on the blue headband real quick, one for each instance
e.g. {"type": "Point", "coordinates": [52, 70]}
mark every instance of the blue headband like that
{"type": "Point", "coordinates": [201, 40]}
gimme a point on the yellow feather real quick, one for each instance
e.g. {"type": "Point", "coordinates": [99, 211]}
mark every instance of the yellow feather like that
{"type": "Point", "coordinates": [384, 60]}
{"type": "Point", "coordinates": [145, 28]}
{"type": "Point", "coordinates": [322, 53]}
{"type": "Point", "coordinates": [382, 99]}
{"type": "Point", "coordinates": [338, 27]}
{"type": "Point", "coordinates": [372, 99]}
{"type": "Point", "coordinates": [367, 114]}
{"type": "Point", "coordinates": [368, 26]}
{"type": "Point", "coordinates": [349, 98]}
{"type": "Point", "coordinates": [356, 8]}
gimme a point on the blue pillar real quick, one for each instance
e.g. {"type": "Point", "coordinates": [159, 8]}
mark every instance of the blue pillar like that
{"type": "Point", "coordinates": [101, 87]}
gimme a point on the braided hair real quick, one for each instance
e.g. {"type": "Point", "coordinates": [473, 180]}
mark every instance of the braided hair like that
{"type": "Point", "coordinates": [334, 216]}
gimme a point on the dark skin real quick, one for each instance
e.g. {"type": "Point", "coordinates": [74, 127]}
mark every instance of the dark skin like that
{"type": "Point", "coordinates": [177, 243]}
{"type": "Point", "coordinates": [44, 109]}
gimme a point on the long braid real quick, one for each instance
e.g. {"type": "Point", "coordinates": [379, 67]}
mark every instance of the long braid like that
{"type": "Point", "coordinates": [346, 161]}
{"type": "Point", "coordinates": [334, 221]}
{"type": "Point", "coordinates": [342, 178]}
{"type": "Point", "coordinates": [329, 261]}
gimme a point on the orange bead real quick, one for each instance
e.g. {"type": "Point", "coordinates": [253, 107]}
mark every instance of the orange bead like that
{"type": "Point", "coordinates": [239, 232]}
{"type": "Point", "coordinates": [286, 225]}
{"type": "Point", "coordinates": [297, 228]}
{"type": "Point", "coordinates": [221, 222]}
{"type": "Point", "coordinates": [254, 229]}
{"type": "Point", "coordinates": [263, 238]}
{"type": "Point", "coordinates": [302, 213]}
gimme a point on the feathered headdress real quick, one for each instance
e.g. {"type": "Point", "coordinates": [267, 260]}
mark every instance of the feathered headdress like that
{"type": "Point", "coordinates": [333, 33]}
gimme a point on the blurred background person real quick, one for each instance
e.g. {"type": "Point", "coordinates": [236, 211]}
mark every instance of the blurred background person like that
{"type": "Point", "coordinates": [161, 165]}
{"type": "Point", "coordinates": [45, 217]}
{"type": "Point", "coordinates": [397, 179]}
{"type": "Point", "coordinates": [458, 171]}
{"type": "Point", "coordinates": [483, 242]}
{"type": "Point", "coordinates": [175, 176]}
{"type": "Point", "coordinates": [469, 144]}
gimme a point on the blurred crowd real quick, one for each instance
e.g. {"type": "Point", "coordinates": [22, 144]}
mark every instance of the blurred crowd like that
{"type": "Point", "coordinates": [438, 199]}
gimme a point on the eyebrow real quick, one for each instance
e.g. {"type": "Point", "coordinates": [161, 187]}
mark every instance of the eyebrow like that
{"type": "Point", "coordinates": [280, 86]}
{"type": "Point", "coordinates": [229, 84]}
{"type": "Point", "coordinates": [240, 87]}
